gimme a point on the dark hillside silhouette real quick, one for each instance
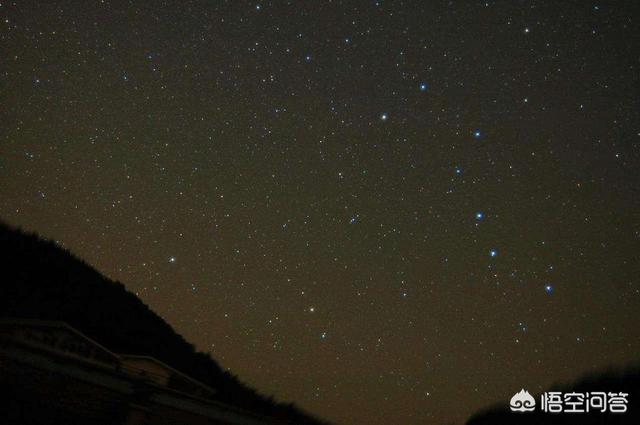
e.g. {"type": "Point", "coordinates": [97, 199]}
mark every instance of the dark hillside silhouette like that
{"type": "Point", "coordinates": [41, 280]}
{"type": "Point", "coordinates": [627, 381]}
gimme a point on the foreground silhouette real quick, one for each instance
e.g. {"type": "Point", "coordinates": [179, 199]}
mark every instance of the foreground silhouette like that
{"type": "Point", "coordinates": [627, 381]}
{"type": "Point", "coordinates": [40, 280]}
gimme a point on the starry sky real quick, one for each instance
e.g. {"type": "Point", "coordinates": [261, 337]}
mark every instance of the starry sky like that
{"type": "Point", "coordinates": [384, 211]}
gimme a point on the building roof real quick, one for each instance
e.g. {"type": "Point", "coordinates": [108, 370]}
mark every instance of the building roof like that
{"type": "Point", "coordinates": [11, 328]}
{"type": "Point", "coordinates": [173, 372]}
{"type": "Point", "coordinates": [101, 353]}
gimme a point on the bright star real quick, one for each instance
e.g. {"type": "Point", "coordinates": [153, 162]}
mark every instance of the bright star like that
{"type": "Point", "coordinates": [548, 288]}
{"type": "Point", "coordinates": [477, 134]}
{"type": "Point", "coordinates": [384, 116]}
{"type": "Point", "coordinates": [479, 215]}
{"type": "Point", "coordinates": [172, 259]}
{"type": "Point", "coordinates": [423, 86]}
{"type": "Point", "coordinates": [493, 253]}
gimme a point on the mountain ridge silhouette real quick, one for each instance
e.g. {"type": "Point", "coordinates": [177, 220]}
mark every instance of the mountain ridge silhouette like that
{"type": "Point", "coordinates": [41, 280]}
{"type": "Point", "coordinates": [625, 380]}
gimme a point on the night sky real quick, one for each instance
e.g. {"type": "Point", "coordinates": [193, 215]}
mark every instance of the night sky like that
{"type": "Point", "coordinates": [387, 212]}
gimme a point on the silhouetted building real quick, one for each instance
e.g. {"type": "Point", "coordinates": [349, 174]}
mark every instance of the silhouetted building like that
{"type": "Point", "coordinates": [56, 375]}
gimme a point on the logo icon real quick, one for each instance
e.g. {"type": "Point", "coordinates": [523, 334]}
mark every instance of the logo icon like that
{"type": "Point", "coordinates": [522, 402]}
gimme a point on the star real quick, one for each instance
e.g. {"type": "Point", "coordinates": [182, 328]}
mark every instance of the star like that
{"type": "Point", "coordinates": [253, 159]}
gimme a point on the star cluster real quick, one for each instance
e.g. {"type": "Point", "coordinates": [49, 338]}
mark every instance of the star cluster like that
{"type": "Point", "coordinates": [387, 212]}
